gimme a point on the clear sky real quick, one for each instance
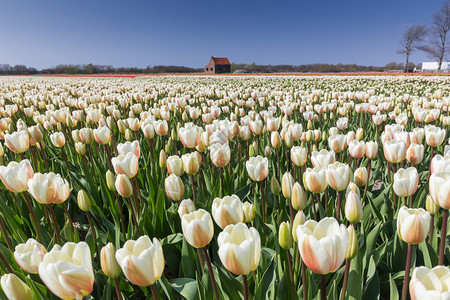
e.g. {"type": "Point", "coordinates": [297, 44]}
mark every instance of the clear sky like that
{"type": "Point", "coordinates": [44, 33]}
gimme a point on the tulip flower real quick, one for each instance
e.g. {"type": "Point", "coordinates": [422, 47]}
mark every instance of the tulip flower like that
{"type": "Point", "coordinates": [357, 149]}
{"type": "Point", "coordinates": [298, 197]}
{"type": "Point", "coordinates": [337, 142]}
{"type": "Point", "coordinates": [322, 158]}
{"type": "Point", "coordinates": [142, 261]}
{"type": "Point", "coordinates": [123, 186]}
{"type": "Point", "coordinates": [126, 164]}
{"type": "Point", "coordinates": [108, 261]}
{"type": "Point", "coordinates": [440, 163]}
{"type": "Point", "coordinates": [430, 283]}
{"type": "Point", "coordinates": [67, 271]}
{"type": "Point", "coordinates": [29, 255]}
{"type": "Point", "coordinates": [406, 182]}
{"type": "Point", "coordinates": [129, 147]}
{"type": "Point", "coordinates": [16, 175]}
{"type": "Point", "coordinates": [353, 208]}
{"type": "Point", "coordinates": [14, 288]}
{"type": "Point", "coordinates": [58, 139]}
{"type": "Point", "coordinates": [287, 182]}
{"type": "Point", "coordinates": [361, 176]}
{"type": "Point", "coordinates": [175, 165]}
{"type": "Point", "coordinates": [191, 163]}
{"type": "Point", "coordinates": [48, 188]}
{"type": "Point", "coordinates": [434, 136]}
{"type": "Point", "coordinates": [440, 189]}
{"type": "Point", "coordinates": [249, 212]}
{"type": "Point", "coordinates": [415, 153]}
{"type": "Point", "coordinates": [17, 142]}
{"type": "Point", "coordinates": [220, 154]}
{"type": "Point", "coordinates": [190, 135]}
{"type": "Point", "coordinates": [413, 224]}
{"type": "Point", "coordinates": [257, 168]}
{"type": "Point", "coordinates": [371, 149]}
{"type": "Point", "coordinates": [198, 228]}
{"type": "Point", "coordinates": [338, 176]}
{"type": "Point", "coordinates": [299, 156]}
{"type": "Point", "coordinates": [315, 180]}
{"type": "Point", "coordinates": [227, 210]}
{"type": "Point", "coordinates": [174, 187]}
{"type": "Point", "coordinates": [394, 151]}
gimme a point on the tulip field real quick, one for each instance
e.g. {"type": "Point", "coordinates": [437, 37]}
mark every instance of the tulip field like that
{"type": "Point", "coordinates": [225, 187]}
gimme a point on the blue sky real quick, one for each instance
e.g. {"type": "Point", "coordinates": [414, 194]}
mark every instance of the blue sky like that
{"type": "Point", "coordinates": [44, 33]}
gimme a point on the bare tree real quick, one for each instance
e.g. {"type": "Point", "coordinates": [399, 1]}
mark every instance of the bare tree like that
{"type": "Point", "coordinates": [411, 41]}
{"type": "Point", "coordinates": [438, 34]}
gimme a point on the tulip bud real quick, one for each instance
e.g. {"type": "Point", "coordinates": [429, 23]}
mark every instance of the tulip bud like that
{"type": "Point", "coordinates": [309, 125]}
{"type": "Point", "coordinates": [15, 288]}
{"type": "Point", "coordinates": [353, 208]}
{"type": "Point", "coordinates": [162, 159]}
{"type": "Point", "coordinates": [288, 140]}
{"type": "Point", "coordinates": [252, 151]}
{"type": "Point", "coordinates": [275, 139]}
{"type": "Point", "coordinates": [299, 219]}
{"type": "Point", "coordinates": [169, 145]}
{"type": "Point", "coordinates": [111, 181]}
{"type": "Point", "coordinates": [285, 238]}
{"type": "Point", "coordinates": [186, 207]}
{"type": "Point", "coordinates": [275, 185]}
{"type": "Point", "coordinates": [287, 183]}
{"type": "Point", "coordinates": [80, 148]}
{"type": "Point", "coordinates": [123, 186]}
{"type": "Point", "coordinates": [360, 176]}
{"type": "Point", "coordinates": [324, 136]}
{"type": "Point", "coordinates": [83, 201]}
{"type": "Point", "coordinates": [249, 212]}
{"type": "Point", "coordinates": [129, 135]}
{"type": "Point", "coordinates": [359, 134]}
{"type": "Point", "coordinates": [298, 197]}
{"type": "Point", "coordinates": [352, 247]}
{"type": "Point", "coordinates": [431, 206]}
{"type": "Point", "coordinates": [267, 151]}
{"type": "Point", "coordinates": [174, 187]}
{"type": "Point", "coordinates": [108, 261]}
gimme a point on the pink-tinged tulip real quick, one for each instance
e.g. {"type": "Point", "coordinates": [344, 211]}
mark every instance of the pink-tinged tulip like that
{"type": "Point", "coordinates": [419, 114]}
{"type": "Point", "coordinates": [14, 288]}
{"type": "Point", "coordinates": [108, 261]}
{"type": "Point", "coordinates": [58, 139]}
{"type": "Point", "coordinates": [129, 147]}
{"type": "Point", "coordinates": [273, 124]}
{"type": "Point", "coordinates": [191, 162]}
{"type": "Point", "coordinates": [190, 135]}
{"type": "Point", "coordinates": [174, 187]}
{"type": "Point", "coordinates": [394, 151]}
{"type": "Point", "coordinates": [67, 271]}
{"type": "Point", "coordinates": [227, 210]}
{"type": "Point", "coordinates": [102, 135]}
{"type": "Point", "coordinates": [123, 185]}
{"type": "Point", "coordinates": [322, 158]}
{"type": "Point", "coordinates": [198, 228]}
{"type": "Point", "coordinates": [352, 187]}
{"type": "Point", "coordinates": [126, 164]}
{"type": "Point", "coordinates": [337, 142]}
{"type": "Point", "coordinates": [257, 168]}
{"type": "Point", "coordinates": [434, 135]}
{"type": "Point", "coordinates": [440, 163]}
{"type": "Point", "coordinates": [322, 245]}
{"type": "Point", "coordinates": [149, 131]}
{"type": "Point", "coordinates": [296, 131]}
{"type": "Point", "coordinates": [315, 180]}
{"type": "Point", "coordinates": [338, 176]}
{"type": "Point", "coordinates": [357, 149]}
{"type": "Point", "coordinates": [249, 212]}
{"type": "Point", "coordinates": [299, 156]}
{"type": "Point", "coordinates": [86, 135]}
{"type": "Point", "coordinates": [256, 127]}
{"type": "Point", "coordinates": [287, 183]}
{"type": "Point", "coordinates": [35, 134]}
{"type": "Point", "coordinates": [142, 261]}
{"type": "Point", "coordinates": [406, 181]}
{"type": "Point", "coordinates": [275, 140]}
{"type": "Point", "coordinates": [342, 123]}
{"type": "Point", "coordinates": [186, 207]}
{"type": "Point", "coordinates": [440, 189]}
{"type": "Point", "coordinates": [430, 283]}
{"type": "Point", "coordinates": [371, 149]}
{"type": "Point", "coordinates": [18, 142]}
{"type": "Point", "coordinates": [161, 127]}
{"type": "Point", "coordinates": [16, 175]}
{"type": "Point", "coordinates": [48, 188]}
{"type": "Point", "coordinates": [402, 136]}
{"type": "Point", "coordinates": [29, 255]}
{"type": "Point", "coordinates": [353, 207]}
{"type": "Point", "coordinates": [220, 154]}
{"type": "Point", "coordinates": [415, 153]}
{"type": "Point", "coordinates": [245, 133]}
{"type": "Point", "coordinates": [239, 248]}
{"type": "Point", "coordinates": [175, 165]}
{"type": "Point", "coordinates": [413, 224]}
{"type": "Point", "coordinates": [417, 135]}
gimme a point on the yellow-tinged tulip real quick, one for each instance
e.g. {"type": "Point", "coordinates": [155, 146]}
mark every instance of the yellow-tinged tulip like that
{"type": "Point", "coordinates": [315, 180]}
{"type": "Point", "coordinates": [406, 182]}
{"type": "Point", "coordinates": [162, 159]}
{"type": "Point", "coordinates": [285, 236]}
{"type": "Point", "coordinates": [249, 212]}
{"type": "Point", "coordinates": [190, 135]}
{"type": "Point", "coordinates": [415, 153]}
{"type": "Point", "coordinates": [298, 197]}
{"type": "Point", "coordinates": [371, 150]}
{"type": "Point", "coordinates": [287, 182]}
{"type": "Point", "coordinates": [175, 165]}
{"type": "Point", "coordinates": [123, 186]}
{"type": "Point", "coordinates": [430, 283]}
{"type": "Point", "coordinates": [322, 245]}
{"type": "Point", "coordinates": [299, 156]}
{"type": "Point", "coordinates": [338, 176]}
{"type": "Point", "coordinates": [18, 142]}
{"type": "Point", "coordinates": [198, 228]}
{"type": "Point", "coordinates": [357, 149]}
{"type": "Point", "coordinates": [29, 255]}
{"type": "Point", "coordinates": [322, 158]}
{"type": "Point", "coordinates": [440, 189]}
{"type": "Point", "coordinates": [337, 142]}
{"type": "Point", "coordinates": [129, 147]}
{"type": "Point", "coordinates": [394, 151]}
{"type": "Point", "coordinates": [67, 271]}
{"type": "Point", "coordinates": [58, 139]}
{"type": "Point", "coordinates": [142, 261]}
{"type": "Point", "coordinates": [257, 168]}
{"type": "Point", "coordinates": [126, 164]}
{"type": "Point", "coordinates": [110, 181]}
{"type": "Point", "coordinates": [275, 140]}
{"type": "Point", "coordinates": [191, 163]}
{"type": "Point", "coordinates": [413, 224]}
{"type": "Point", "coordinates": [275, 187]}
{"type": "Point", "coordinates": [84, 203]}
{"type": "Point", "coordinates": [220, 154]}
{"type": "Point", "coordinates": [360, 176]}
{"type": "Point", "coordinates": [299, 219]}
{"type": "Point", "coordinates": [434, 135]}
{"type": "Point", "coordinates": [80, 148]}
{"type": "Point", "coordinates": [174, 187]}
{"type": "Point", "coordinates": [186, 207]}
{"type": "Point", "coordinates": [353, 208]}
{"type": "Point", "coordinates": [35, 134]}
{"type": "Point", "coordinates": [14, 288]}
{"type": "Point", "coordinates": [86, 135]}
{"type": "Point", "coordinates": [16, 175]}
{"type": "Point", "coordinates": [431, 206]}
{"type": "Point", "coordinates": [227, 210]}
{"type": "Point", "coordinates": [48, 188]}
{"type": "Point", "coordinates": [239, 248]}
{"type": "Point", "coordinates": [108, 261]}
{"type": "Point", "coordinates": [352, 247]}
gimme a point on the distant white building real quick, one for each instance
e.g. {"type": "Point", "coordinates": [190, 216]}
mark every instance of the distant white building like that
{"type": "Point", "coordinates": [433, 66]}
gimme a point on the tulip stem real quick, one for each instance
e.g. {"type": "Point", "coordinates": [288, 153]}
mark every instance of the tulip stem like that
{"type": "Point", "coordinates": [45, 158]}
{"type": "Point", "coordinates": [263, 208]}
{"type": "Point", "coordinates": [33, 217]}
{"type": "Point", "coordinates": [221, 182]}
{"type": "Point", "coordinates": [5, 262]}
{"type": "Point", "coordinates": [407, 269]}
{"type": "Point", "coordinates": [5, 234]}
{"type": "Point", "coordinates": [344, 285]}
{"type": "Point", "coordinates": [69, 218]}
{"type": "Point", "coordinates": [193, 188]}
{"type": "Point", "coordinates": [367, 181]}
{"type": "Point", "coordinates": [154, 293]}
{"type": "Point", "coordinates": [431, 158]}
{"type": "Point", "coordinates": [108, 155]}
{"type": "Point", "coordinates": [94, 237]}
{"type": "Point", "coordinates": [133, 216]}
{"type": "Point", "coordinates": [305, 286]}
{"type": "Point", "coordinates": [338, 208]}
{"type": "Point", "coordinates": [443, 237]}
{"type": "Point", "coordinates": [119, 207]}
{"type": "Point", "coordinates": [323, 287]}
{"type": "Point", "coordinates": [211, 274]}
{"type": "Point", "coordinates": [117, 286]}
{"type": "Point", "coordinates": [245, 286]}
{"type": "Point", "coordinates": [431, 229]}
{"type": "Point", "coordinates": [291, 274]}
{"type": "Point", "coordinates": [55, 225]}
{"type": "Point", "coordinates": [200, 258]}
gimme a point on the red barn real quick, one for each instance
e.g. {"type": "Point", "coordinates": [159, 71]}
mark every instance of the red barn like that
{"type": "Point", "coordinates": [218, 65]}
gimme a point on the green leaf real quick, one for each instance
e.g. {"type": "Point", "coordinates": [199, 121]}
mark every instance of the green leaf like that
{"type": "Point", "coordinates": [393, 288]}
{"type": "Point", "coordinates": [186, 287]}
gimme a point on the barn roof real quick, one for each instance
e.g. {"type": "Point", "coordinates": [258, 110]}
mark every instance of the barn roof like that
{"type": "Point", "coordinates": [220, 60]}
